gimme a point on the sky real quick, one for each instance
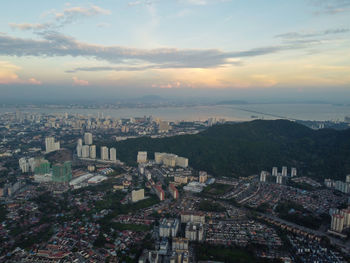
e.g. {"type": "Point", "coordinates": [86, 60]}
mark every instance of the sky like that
{"type": "Point", "coordinates": [227, 48]}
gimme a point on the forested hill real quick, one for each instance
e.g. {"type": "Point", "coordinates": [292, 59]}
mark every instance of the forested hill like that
{"type": "Point", "coordinates": [247, 148]}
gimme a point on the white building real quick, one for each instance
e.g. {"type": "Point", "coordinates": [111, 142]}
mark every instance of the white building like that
{"type": "Point", "coordinates": [113, 154]}
{"type": "Point", "coordinates": [180, 243]}
{"type": "Point", "coordinates": [182, 162]}
{"type": "Point", "coordinates": [346, 214]}
{"type": "Point", "coordinates": [263, 175]}
{"type": "Point", "coordinates": [194, 232]}
{"type": "Point", "coordinates": [168, 227]}
{"type": "Point", "coordinates": [158, 157]}
{"type": "Point", "coordinates": [337, 223]}
{"type": "Point", "coordinates": [141, 157]}
{"type": "Point", "coordinates": [279, 179]}
{"type": "Point", "coordinates": [293, 172]}
{"type": "Point", "coordinates": [104, 153]}
{"type": "Point", "coordinates": [284, 171]}
{"type": "Point", "coordinates": [79, 150]}
{"type": "Point", "coordinates": [170, 160]}
{"type": "Point", "coordinates": [24, 165]}
{"type": "Point", "coordinates": [79, 147]}
{"type": "Point", "coordinates": [93, 151]}
{"type": "Point", "coordinates": [85, 152]}
{"type": "Point", "coordinates": [347, 178]}
{"type": "Point", "coordinates": [32, 164]}
{"type": "Point", "coordinates": [274, 171]}
{"type": "Point", "coordinates": [88, 138]}
{"type": "Point", "coordinates": [342, 186]}
{"type": "Point", "coordinates": [137, 195]}
{"type": "Point", "coordinates": [51, 145]}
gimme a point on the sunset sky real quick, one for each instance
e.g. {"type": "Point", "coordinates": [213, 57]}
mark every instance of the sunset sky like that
{"type": "Point", "coordinates": [150, 45]}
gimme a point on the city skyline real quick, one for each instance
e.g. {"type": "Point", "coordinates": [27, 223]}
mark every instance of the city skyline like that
{"type": "Point", "coordinates": [184, 47]}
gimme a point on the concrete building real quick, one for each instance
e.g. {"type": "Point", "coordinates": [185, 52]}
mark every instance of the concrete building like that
{"type": "Point", "coordinates": [62, 173]}
{"type": "Point", "coordinates": [279, 179]}
{"type": "Point", "coordinates": [337, 223]}
{"type": "Point", "coordinates": [194, 217]}
{"type": "Point", "coordinates": [158, 157]}
{"type": "Point", "coordinates": [195, 187]}
{"type": "Point", "coordinates": [203, 177]}
{"type": "Point", "coordinates": [85, 152]}
{"type": "Point", "coordinates": [293, 172]}
{"type": "Point", "coordinates": [137, 195]}
{"type": "Point", "coordinates": [24, 165]}
{"type": "Point", "coordinates": [104, 153]}
{"type": "Point", "coordinates": [347, 180]}
{"type": "Point", "coordinates": [180, 243]}
{"type": "Point", "coordinates": [194, 232]}
{"type": "Point", "coordinates": [181, 179]}
{"type": "Point", "coordinates": [329, 183]}
{"type": "Point", "coordinates": [79, 149]}
{"type": "Point", "coordinates": [42, 166]}
{"type": "Point", "coordinates": [93, 151]}
{"type": "Point", "coordinates": [168, 227]}
{"type": "Point", "coordinates": [163, 246]}
{"type": "Point", "coordinates": [346, 214]}
{"type": "Point", "coordinates": [274, 171]}
{"type": "Point", "coordinates": [181, 161]}
{"type": "Point", "coordinates": [342, 186]}
{"type": "Point", "coordinates": [32, 163]}
{"type": "Point", "coordinates": [51, 145]}
{"type": "Point", "coordinates": [113, 154]}
{"type": "Point", "coordinates": [43, 178]}
{"type": "Point", "coordinates": [169, 160]}
{"type": "Point", "coordinates": [142, 157]}
{"type": "Point", "coordinates": [173, 191]}
{"type": "Point", "coordinates": [88, 138]}
{"type": "Point", "coordinates": [284, 171]}
{"type": "Point", "coordinates": [163, 127]}
{"type": "Point", "coordinates": [263, 176]}
{"type": "Point", "coordinates": [159, 192]}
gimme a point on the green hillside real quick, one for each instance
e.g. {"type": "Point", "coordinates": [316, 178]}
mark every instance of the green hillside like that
{"type": "Point", "coordinates": [246, 148]}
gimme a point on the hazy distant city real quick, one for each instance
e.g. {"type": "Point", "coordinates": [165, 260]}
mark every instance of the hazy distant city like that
{"type": "Point", "coordinates": [159, 131]}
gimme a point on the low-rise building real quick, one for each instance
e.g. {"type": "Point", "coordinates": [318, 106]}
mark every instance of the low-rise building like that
{"type": "Point", "coordinates": [137, 195]}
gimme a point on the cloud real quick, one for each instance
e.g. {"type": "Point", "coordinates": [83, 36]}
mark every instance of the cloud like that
{"type": "Point", "coordinates": [331, 6]}
{"type": "Point", "coordinates": [135, 68]}
{"type": "Point", "coordinates": [8, 75]}
{"type": "Point", "coordinates": [101, 25]}
{"type": "Point", "coordinates": [141, 2]}
{"type": "Point", "coordinates": [71, 14]}
{"type": "Point", "coordinates": [34, 81]}
{"type": "Point", "coordinates": [170, 85]}
{"type": "Point", "coordinates": [203, 2]}
{"type": "Point", "coordinates": [197, 2]}
{"type": "Point", "coordinates": [301, 35]}
{"type": "Point", "coordinates": [55, 44]}
{"type": "Point", "coordinates": [29, 26]}
{"type": "Point", "coordinates": [80, 82]}
{"type": "Point", "coordinates": [60, 19]}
